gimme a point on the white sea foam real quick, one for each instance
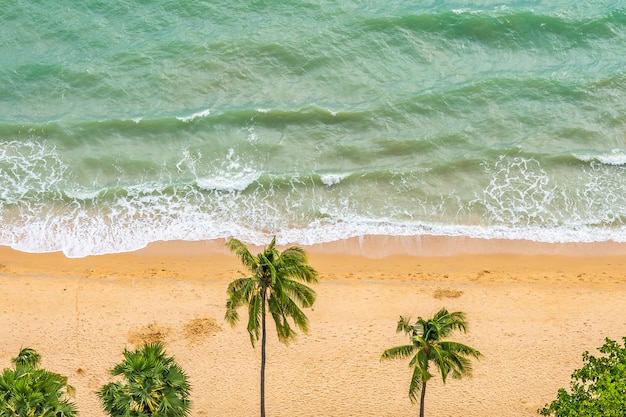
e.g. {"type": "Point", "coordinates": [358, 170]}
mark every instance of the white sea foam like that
{"type": "Point", "coordinates": [197, 115]}
{"type": "Point", "coordinates": [520, 201]}
{"type": "Point", "coordinates": [81, 193]}
{"type": "Point", "coordinates": [28, 167]}
{"type": "Point", "coordinates": [226, 181]}
{"type": "Point", "coordinates": [138, 223]}
{"type": "Point", "coordinates": [615, 157]}
{"type": "Point", "coordinates": [518, 193]}
{"type": "Point", "coordinates": [252, 136]}
{"type": "Point", "coordinates": [334, 178]}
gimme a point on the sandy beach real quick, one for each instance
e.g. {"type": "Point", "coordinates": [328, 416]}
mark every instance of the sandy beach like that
{"type": "Point", "coordinates": [532, 308]}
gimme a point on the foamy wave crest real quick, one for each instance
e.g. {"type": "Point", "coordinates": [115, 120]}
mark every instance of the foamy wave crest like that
{"type": "Point", "coordinates": [232, 175]}
{"type": "Point", "coordinates": [92, 233]}
{"type": "Point", "coordinates": [230, 195]}
{"type": "Point", "coordinates": [337, 231]}
{"type": "Point", "coordinates": [333, 179]}
{"type": "Point", "coordinates": [615, 157]}
{"type": "Point", "coordinates": [82, 193]}
{"type": "Point", "coordinates": [197, 115]}
{"type": "Point", "coordinates": [225, 181]}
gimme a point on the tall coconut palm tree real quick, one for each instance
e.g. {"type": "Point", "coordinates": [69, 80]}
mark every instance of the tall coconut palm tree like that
{"type": "Point", "coordinates": [275, 286]}
{"type": "Point", "coordinates": [155, 385]}
{"type": "Point", "coordinates": [29, 390]}
{"type": "Point", "coordinates": [427, 345]}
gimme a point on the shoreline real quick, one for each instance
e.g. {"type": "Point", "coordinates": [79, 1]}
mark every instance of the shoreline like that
{"type": "Point", "coordinates": [533, 309]}
{"type": "Point", "coordinates": [381, 246]}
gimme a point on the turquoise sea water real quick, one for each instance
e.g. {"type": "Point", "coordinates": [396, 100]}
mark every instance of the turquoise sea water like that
{"type": "Point", "coordinates": [124, 122]}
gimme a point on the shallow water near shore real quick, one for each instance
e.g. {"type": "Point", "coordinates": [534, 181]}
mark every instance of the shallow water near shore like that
{"type": "Point", "coordinates": [128, 123]}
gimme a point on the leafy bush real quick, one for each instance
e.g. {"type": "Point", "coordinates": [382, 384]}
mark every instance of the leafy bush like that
{"type": "Point", "coordinates": [155, 386]}
{"type": "Point", "coordinates": [28, 390]}
{"type": "Point", "coordinates": [597, 389]}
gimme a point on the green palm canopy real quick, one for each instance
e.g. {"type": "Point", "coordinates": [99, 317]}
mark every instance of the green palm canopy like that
{"type": "Point", "coordinates": [277, 285]}
{"type": "Point", "coordinates": [154, 385]}
{"type": "Point", "coordinates": [428, 346]}
{"type": "Point", "coordinates": [27, 390]}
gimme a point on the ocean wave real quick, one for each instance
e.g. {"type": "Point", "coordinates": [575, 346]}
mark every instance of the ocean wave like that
{"type": "Point", "coordinates": [333, 178]}
{"type": "Point", "coordinates": [197, 115]}
{"type": "Point", "coordinates": [505, 27]}
{"type": "Point", "coordinates": [91, 235]}
{"type": "Point", "coordinates": [615, 157]}
{"type": "Point", "coordinates": [229, 182]}
{"type": "Point", "coordinates": [443, 118]}
{"type": "Point", "coordinates": [237, 117]}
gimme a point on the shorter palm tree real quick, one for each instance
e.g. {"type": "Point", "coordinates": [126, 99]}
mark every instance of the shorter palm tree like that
{"type": "Point", "coordinates": [155, 385]}
{"type": "Point", "coordinates": [28, 390]}
{"type": "Point", "coordinates": [427, 345]}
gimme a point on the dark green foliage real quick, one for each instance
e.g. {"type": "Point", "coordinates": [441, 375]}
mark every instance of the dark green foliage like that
{"type": "Point", "coordinates": [428, 346]}
{"type": "Point", "coordinates": [154, 386]}
{"type": "Point", "coordinates": [28, 390]}
{"type": "Point", "coordinates": [276, 286]}
{"type": "Point", "coordinates": [597, 389]}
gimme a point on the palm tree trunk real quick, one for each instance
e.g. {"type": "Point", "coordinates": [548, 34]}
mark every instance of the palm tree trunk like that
{"type": "Point", "coordinates": [422, 399]}
{"type": "Point", "coordinates": [263, 334]}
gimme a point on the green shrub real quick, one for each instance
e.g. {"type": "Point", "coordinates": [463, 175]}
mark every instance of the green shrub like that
{"type": "Point", "coordinates": [154, 386]}
{"type": "Point", "coordinates": [597, 389]}
{"type": "Point", "coordinates": [28, 390]}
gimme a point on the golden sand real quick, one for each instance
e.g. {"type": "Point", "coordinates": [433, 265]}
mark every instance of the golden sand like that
{"type": "Point", "coordinates": [532, 308]}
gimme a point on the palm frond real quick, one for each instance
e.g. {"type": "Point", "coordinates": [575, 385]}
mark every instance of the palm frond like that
{"type": "Point", "coordinates": [440, 358]}
{"type": "Point", "coordinates": [28, 390]}
{"type": "Point", "coordinates": [243, 253]}
{"type": "Point", "coordinates": [449, 322]}
{"type": "Point", "coordinates": [283, 330]}
{"type": "Point", "coordinates": [255, 313]}
{"type": "Point", "coordinates": [267, 271]}
{"type": "Point", "coordinates": [460, 348]}
{"type": "Point", "coordinates": [415, 385]}
{"type": "Point", "coordinates": [404, 325]}
{"type": "Point", "coordinates": [421, 327]}
{"type": "Point", "coordinates": [457, 358]}
{"type": "Point", "coordinates": [398, 352]}
{"type": "Point", "coordinates": [421, 363]}
{"type": "Point", "coordinates": [419, 342]}
{"type": "Point", "coordinates": [231, 316]}
{"type": "Point", "coordinates": [460, 366]}
{"type": "Point", "coordinates": [239, 292]}
{"type": "Point", "coordinates": [294, 263]}
{"type": "Point", "coordinates": [302, 294]}
{"type": "Point", "coordinates": [238, 286]}
{"type": "Point", "coordinates": [291, 309]}
{"type": "Point", "coordinates": [28, 358]}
